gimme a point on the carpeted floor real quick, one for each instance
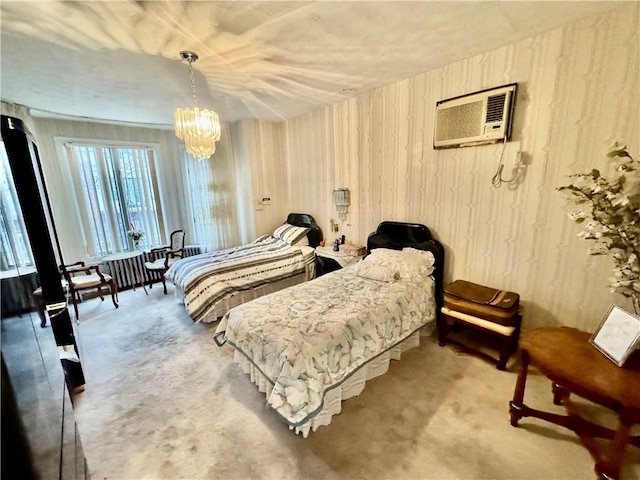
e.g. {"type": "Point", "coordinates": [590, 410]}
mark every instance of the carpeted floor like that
{"type": "Point", "coordinates": [162, 401]}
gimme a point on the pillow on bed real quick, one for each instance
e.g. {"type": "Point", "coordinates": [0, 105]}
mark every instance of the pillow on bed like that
{"type": "Point", "coordinates": [290, 233]}
{"type": "Point", "coordinates": [426, 254]}
{"type": "Point", "coordinates": [303, 242]}
{"type": "Point", "coordinates": [408, 264]}
{"type": "Point", "coordinates": [375, 272]}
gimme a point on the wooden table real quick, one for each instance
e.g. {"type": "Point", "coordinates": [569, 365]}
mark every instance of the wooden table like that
{"type": "Point", "coordinates": [565, 356]}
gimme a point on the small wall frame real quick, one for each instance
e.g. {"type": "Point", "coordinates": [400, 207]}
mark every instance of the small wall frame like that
{"type": "Point", "coordinates": [617, 335]}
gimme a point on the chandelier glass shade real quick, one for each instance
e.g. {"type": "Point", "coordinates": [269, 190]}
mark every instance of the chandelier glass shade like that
{"type": "Point", "coordinates": [198, 128]}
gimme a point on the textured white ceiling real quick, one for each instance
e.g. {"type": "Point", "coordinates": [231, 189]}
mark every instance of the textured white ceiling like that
{"type": "Point", "coordinates": [119, 60]}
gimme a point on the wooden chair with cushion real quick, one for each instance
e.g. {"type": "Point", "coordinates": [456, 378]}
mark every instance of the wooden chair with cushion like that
{"type": "Point", "coordinates": [80, 277]}
{"type": "Point", "coordinates": [161, 258]}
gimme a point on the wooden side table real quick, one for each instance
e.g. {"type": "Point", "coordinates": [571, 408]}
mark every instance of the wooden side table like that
{"type": "Point", "coordinates": [565, 356]}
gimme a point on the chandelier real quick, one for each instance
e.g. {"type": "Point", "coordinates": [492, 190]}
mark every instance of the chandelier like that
{"type": "Point", "coordinates": [198, 128]}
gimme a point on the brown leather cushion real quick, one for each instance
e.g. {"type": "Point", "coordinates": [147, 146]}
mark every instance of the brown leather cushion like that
{"type": "Point", "coordinates": [489, 303]}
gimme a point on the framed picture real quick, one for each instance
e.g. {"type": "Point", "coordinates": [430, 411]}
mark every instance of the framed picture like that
{"type": "Point", "coordinates": [618, 334]}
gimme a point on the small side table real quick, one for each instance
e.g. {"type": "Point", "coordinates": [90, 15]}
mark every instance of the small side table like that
{"type": "Point", "coordinates": [565, 356]}
{"type": "Point", "coordinates": [330, 260]}
{"type": "Point", "coordinates": [125, 267]}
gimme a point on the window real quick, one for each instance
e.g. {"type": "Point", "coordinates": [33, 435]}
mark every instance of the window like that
{"type": "Point", "coordinates": [116, 191]}
{"type": "Point", "coordinates": [16, 250]}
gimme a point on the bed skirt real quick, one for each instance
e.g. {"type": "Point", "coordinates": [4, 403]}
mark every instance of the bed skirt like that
{"type": "Point", "coordinates": [238, 298]}
{"type": "Point", "coordinates": [351, 387]}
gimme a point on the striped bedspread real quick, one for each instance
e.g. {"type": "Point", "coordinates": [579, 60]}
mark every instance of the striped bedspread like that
{"type": "Point", "coordinates": [211, 277]}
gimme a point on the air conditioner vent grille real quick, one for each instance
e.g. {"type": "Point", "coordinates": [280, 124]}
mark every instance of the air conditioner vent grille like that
{"type": "Point", "coordinates": [495, 108]}
{"type": "Point", "coordinates": [478, 118]}
{"type": "Point", "coordinates": [460, 122]}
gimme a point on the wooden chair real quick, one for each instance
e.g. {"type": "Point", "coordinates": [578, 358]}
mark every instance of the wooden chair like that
{"type": "Point", "coordinates": [80, 278]}
{"type": "Point", "coordinates": [161, 258]}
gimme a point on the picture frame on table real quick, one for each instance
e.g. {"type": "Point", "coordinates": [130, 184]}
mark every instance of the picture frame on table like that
{"type": "Point", "coordinates": [617, 335]}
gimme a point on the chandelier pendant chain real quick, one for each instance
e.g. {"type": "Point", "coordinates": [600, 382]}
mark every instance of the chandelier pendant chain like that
{"type": "Point", "coordinates": [193, 83]}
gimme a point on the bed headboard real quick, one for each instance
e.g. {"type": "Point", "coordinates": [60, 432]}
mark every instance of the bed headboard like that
{"type": "Point", "coordinates": [397, 235]}
{"type": "Point", "coordinates": [305, 220]}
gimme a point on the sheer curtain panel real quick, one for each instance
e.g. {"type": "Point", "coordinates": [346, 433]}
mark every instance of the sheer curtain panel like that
{"type": "Point", "coordinates": [211, 191]}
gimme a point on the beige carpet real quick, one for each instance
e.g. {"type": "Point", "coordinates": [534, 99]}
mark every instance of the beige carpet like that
{"type": "Point", "coordinates": [162, 401]}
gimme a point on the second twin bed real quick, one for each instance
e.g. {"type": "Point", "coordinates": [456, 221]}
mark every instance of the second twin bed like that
{"type": "Point", "coordinates": [310, 346]}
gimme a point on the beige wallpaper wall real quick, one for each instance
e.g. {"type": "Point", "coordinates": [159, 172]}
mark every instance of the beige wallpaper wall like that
{"type": "Point", "coordinates": [577, 94]}
{"type": "Point", "coordinates": [578, 90]}
{"type": "Point", "coordinates": [264, 146]}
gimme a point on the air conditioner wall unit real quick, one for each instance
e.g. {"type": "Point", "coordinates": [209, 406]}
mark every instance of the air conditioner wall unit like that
{"type": "Point", "coordinates": [475, 119]}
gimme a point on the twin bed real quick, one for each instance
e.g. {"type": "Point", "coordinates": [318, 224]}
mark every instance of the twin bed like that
{"type": "Point", "coordinates": [212, 283]}
{"type": "Point", "coordinates": [310, 345]}
{"type": "Point", "coordinates": [315, 344]}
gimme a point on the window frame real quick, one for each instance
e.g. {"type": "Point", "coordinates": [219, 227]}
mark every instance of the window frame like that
{"type": "Point", "coordinates": [83, 210]}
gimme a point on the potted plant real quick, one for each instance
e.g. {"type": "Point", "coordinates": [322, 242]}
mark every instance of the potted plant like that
{"type": "Point", "coordinates": [609, 211]}
{"type": "Point", "coordinates": [135, 235]}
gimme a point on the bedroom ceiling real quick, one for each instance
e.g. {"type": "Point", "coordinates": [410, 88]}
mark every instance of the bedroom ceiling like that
{"type": "Point", "coordinates": [119, 60]}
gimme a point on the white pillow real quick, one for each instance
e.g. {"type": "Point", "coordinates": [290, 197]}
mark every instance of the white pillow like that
{"type": "Point", "coordinates": [375, 272]}
{"type": "Point", "coordinates": [430, 259]}
{"type": "Point", "coordinates": [290, 233]}
{"type": "Point", "coordinates": [261, 237]}
{"type": "Point", "coordinates": [409, 264]}
{"type": "Point", "coordinates": [303, 242]}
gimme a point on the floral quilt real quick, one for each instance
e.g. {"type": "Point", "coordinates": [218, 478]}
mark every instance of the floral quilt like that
{"type": "Point", "coordinates": [309, 338]}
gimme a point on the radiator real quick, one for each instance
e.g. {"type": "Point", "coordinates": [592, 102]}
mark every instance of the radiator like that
{"type": "Point", "coordinates": [131, 272]}
{"type": "Point", "coordinates": [191, 250]}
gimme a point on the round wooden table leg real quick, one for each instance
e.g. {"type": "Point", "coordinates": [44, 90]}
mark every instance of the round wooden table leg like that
{"type": "Point", "coordinates": [515, 406]}
{"type": "Point", "coordinates": [559, 393]}
{"type": "Point", "coordinates": [609, 466]}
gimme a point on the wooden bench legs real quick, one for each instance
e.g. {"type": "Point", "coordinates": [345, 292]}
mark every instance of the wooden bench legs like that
{"type": "Point", "coordinates": [507, 337]}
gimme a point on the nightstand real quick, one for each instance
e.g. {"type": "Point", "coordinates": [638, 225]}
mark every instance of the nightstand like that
{"type": "Point", "coordinates": [327, 260]}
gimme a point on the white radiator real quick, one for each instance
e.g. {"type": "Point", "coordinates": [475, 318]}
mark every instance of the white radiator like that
{"type": "Point", "coordinates": [131, 272]}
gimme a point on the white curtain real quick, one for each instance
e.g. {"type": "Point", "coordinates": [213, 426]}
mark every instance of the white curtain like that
{"type": "Point", "coordinates": [211, 191]}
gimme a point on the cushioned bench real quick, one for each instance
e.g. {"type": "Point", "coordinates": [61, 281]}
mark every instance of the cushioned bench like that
{"type": "Point", "coordinates": [507, 335]}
